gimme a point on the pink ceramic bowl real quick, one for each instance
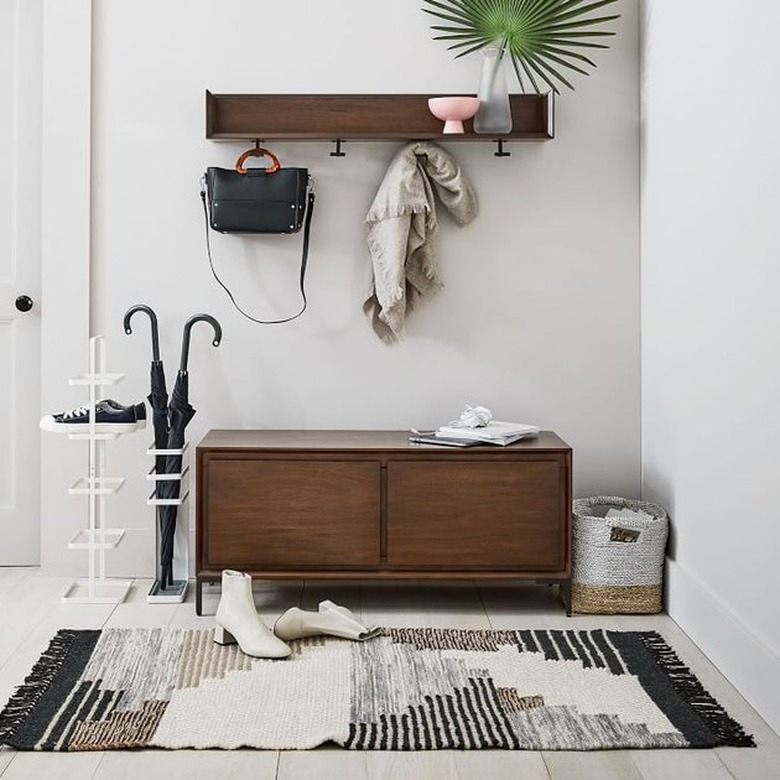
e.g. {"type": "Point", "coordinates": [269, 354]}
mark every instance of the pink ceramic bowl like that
{"type": "Point", "coordinates": [453, 110]}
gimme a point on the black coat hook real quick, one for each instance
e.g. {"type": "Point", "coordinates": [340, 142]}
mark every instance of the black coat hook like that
{"type": "Point", "coordinates": [500, 150]}
{"type": "Point", "coordinates": [337, 151]}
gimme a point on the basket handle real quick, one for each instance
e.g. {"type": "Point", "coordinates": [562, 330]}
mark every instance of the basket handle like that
{"type": "Point", "coordinates": [618, 534]}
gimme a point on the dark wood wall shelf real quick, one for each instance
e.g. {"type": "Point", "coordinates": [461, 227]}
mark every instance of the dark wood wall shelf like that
{"type": "Point", "coordinates": [358, 117]}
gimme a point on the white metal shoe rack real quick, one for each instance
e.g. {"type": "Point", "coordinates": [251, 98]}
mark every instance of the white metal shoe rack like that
{"type": "Point", "coordinates": [97, 537]}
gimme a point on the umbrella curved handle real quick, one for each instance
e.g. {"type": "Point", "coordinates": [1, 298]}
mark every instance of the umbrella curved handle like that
{"type": "Point", "coordinates": [185, 342]}
{"type": "Point", "coordinates": [155, 334]}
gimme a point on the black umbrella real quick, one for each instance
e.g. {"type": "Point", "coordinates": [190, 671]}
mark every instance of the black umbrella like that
{"type": "Point", "coordinates": [158, 397]}
{"type": "Point", "coordinates": [180, 412]}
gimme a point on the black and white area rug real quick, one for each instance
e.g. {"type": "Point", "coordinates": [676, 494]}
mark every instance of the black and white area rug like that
{"type": "Point", "coordinates": [407, 689]}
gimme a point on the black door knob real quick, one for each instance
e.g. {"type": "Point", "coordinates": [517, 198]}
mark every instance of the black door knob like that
{"type": "Point", "coordinates": [24, 303]}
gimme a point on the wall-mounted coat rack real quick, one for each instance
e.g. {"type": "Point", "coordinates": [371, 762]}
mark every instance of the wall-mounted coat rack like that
{"type": "Point", "coordinates": [339, 118]}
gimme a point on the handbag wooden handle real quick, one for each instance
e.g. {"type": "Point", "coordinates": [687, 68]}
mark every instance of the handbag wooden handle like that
{"type": "Point", "coordinates": [258, 152]}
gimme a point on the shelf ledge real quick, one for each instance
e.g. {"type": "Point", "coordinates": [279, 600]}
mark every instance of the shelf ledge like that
{"type": "Point", "coordinates": [100, 486]}
{"type": "Point", "coordinates": [84, 435]}
{"type": "Point", "coordinates": [96, 379]}
{"type": "Point", "coordinates": [153, 500]}
{"type": "Point", "coordinates": [153, 476]}
{"type": "Point", "coordinates": [180, 451]}
{"type": "Point", "coordinates": [82, 591]}
{"type": "Point", "coordinates": [320, 117]}
{"type": "Point", "coordinates": [90, 540]}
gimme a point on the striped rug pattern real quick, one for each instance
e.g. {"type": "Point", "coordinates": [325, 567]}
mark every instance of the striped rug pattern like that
{"type": "Point", "coordinates": [407, 689]}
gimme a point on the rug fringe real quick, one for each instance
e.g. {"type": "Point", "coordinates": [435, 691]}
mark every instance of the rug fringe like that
{"type": "Point", "coordinates": [693, 692]}
{"type": "Point", "coordinates": [28, 694]}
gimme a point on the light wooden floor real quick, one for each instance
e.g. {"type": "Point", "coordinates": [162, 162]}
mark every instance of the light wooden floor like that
{"type": "Point", "coordinates": [31, 612]}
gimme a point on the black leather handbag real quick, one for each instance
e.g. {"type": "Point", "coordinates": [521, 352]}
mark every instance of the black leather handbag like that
{"type": "Point", "coordinates": [258, 200]}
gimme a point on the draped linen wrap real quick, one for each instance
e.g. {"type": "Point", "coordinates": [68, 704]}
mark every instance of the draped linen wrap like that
{"type": "Point", "coordinates": [402, 228]}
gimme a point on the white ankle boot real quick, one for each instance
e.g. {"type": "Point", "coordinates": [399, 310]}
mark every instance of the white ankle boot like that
{"type": "Point", "coordinates": [238, 621]}
{"type": "Point", "coordinates": [330, 619]}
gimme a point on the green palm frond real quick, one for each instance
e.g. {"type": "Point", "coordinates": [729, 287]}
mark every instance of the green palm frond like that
{"type": "Point", "coordinates": [542, 37]}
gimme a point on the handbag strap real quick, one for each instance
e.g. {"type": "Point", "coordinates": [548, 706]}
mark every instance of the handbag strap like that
{"type": "Point", "coordinates": [304, 260]}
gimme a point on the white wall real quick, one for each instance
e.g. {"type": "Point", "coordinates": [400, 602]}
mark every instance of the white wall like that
{"type": "Point", "coordinates": [65, 265]}
{"type": "Point", "coordinates": [539, 319]}
{"type": "Point", "coordinates": [710, 324]}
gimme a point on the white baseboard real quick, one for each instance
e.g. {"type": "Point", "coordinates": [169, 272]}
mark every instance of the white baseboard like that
{"type": "Point", "coordinates": [751, 667]}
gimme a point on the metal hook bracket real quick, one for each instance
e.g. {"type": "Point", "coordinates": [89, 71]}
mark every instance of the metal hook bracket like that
{"type": "Point", "coordinates": [337, 150]}
{"type": "Point", "coordinates": [500, 149]}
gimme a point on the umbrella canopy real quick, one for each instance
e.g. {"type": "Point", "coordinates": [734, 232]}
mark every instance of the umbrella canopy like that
{"type": "Point", "coordinates": [158, 395]}
{"type": "Point", "coordinates": [158, 400]}
{"type": "Point", "coordinates": [180, 412]}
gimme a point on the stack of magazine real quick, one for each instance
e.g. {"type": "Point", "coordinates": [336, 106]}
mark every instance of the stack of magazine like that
{"type": "Point", "coordinates": [495, 432]}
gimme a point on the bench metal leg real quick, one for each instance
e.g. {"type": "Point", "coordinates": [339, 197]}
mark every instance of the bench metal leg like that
{"type": "Point", "coordinates": [566, 595]}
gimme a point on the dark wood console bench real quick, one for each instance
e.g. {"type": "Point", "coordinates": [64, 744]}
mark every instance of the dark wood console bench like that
{"type": "Point", "coordinates": [370, 505]}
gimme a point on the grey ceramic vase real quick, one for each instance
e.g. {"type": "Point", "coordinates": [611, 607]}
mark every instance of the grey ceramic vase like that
{"type": "Point", "coordinates": [494, 115]}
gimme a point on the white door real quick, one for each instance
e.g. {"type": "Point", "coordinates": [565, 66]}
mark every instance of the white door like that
{"type": "Point", "coordinates": [20, 55]}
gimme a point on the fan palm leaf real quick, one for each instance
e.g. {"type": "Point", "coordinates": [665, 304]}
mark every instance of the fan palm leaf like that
{"type": "Point", "coordinates": [541, 37]}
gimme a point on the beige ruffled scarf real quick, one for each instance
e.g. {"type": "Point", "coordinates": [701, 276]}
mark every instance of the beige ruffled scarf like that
{"type": "Point", "coordinates": [402, 227]}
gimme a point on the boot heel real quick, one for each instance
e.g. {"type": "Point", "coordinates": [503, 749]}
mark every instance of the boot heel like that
{"type": "Point", "coordinates": [223, 637]}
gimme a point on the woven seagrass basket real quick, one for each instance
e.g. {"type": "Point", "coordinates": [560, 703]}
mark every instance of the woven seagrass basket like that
{"type": "Point", "coordinates": [618, 561]}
